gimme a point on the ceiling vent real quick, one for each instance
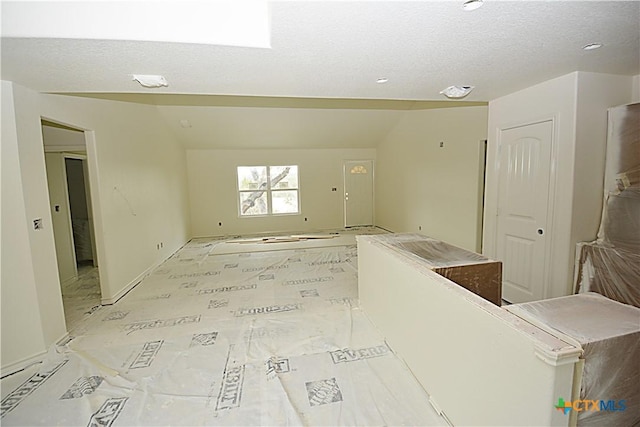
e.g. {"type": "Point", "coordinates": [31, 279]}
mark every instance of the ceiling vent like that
{"type": "Point", "coordinates": [457, 92]}
{"type": "Point", "coordinates": [150, 80]}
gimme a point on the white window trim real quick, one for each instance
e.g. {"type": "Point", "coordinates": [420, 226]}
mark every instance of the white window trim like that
{"type": "Point", "coordinates": [268, 192]}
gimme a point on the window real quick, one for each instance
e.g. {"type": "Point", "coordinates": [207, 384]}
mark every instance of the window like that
{"type": "Point", "coordinates": [268, 190]}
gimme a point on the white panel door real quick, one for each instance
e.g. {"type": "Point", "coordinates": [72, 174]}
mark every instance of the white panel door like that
{"type": "Point", "coordinates": [358, 193]}
{"type": "Point", "coordinates": [523, 201]}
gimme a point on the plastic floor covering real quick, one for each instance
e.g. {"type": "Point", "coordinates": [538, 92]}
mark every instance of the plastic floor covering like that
{"type": "Point", "coordinates": [219, 337]}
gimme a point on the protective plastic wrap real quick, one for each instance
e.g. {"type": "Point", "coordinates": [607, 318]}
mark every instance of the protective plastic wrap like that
{"type": "Point", "coordinates": [470, 270]}
{"type": "Point", "coordinates": [610, 264]}
{"type": "Point", "coordinates": [612, 272]}
{"type": "Point", "coordinates": [609, 333]}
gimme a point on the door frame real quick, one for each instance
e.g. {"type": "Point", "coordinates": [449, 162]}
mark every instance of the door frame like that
{"type": "Point", "coordinates": [92, 178]}
{"type": "Point", "coordinates": [344, 190]}
{"type": "Point", "coordinates": [550, 225]}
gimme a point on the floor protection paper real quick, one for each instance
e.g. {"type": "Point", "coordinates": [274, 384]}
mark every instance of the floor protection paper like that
{"type": "Point", "coordinates": [269, 337]}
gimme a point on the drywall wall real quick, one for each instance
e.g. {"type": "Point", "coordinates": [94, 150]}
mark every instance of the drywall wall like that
{"type": "Point", "coordinates": [22, 330]}
{"type": "Point", "coordinates": [462, 348]}
{"type": "Point", "coordinates": [138, 178]}
{"type": "Point", "coordinates": [635, 91]}
{"type": "Point", "coordinates": [137, 172]}
{"type": "Point", "coordinates": [214, 199]}
{"type": "Point", "coordinates": [420, 184]}
{"type": "Point", "coordinates": [62, 229]}
{"type": "Point", "coordinates": [270, 127]}
{"type": "Point", "coordinates": [578, 117]}
{"type": "Point", "coordinates": [58, 139]}
{"type": "Point", "coordinates": [596, 93]}
{"type": "Point", "coordinates": [36, 202]}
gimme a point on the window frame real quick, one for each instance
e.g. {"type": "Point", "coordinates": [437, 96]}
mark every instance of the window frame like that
{"type": "Point", "coordinates": [268, 191]}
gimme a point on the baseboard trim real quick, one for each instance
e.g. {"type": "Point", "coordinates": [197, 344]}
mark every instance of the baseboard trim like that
{"type": "Point", "coordinates": [130, 285]}
{"type": "Point", "coordinates": [22, 364]}
{"type": "Point", "coordinates": [138, 279]}
{"type": "Point", "coordinates": [64, 339]}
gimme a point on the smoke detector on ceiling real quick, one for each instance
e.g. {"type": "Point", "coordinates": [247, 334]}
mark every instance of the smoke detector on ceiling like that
{"type": "Point", "coordinates": [456, 92]}
{"type": "Point", "coordinates": [150, 80]}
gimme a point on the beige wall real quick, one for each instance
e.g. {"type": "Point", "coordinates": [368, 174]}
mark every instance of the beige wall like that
{"type": "Point", "coordinates": [577, 104]}
{"type": "Point", "coordinates": [21, 322]}
{"type": "Point", "coordinates": [278, 128]}
{"type": "Point", "coordinates": [213, 189]}
{"type": "Point", "coordinates": [596, 93]}
{"type": "Point", "coordinates": [139, 193]}
{"type": "Point", "coordinates": [57, 139]}
{"type": "Point", "coordinates": [137, 172]}
{"type": "Point", "coordinates": [36, 203]}
{"type": "Point", "coordinates": [418, 183]}
{"type": "Point", "coordinates": [635, 92]}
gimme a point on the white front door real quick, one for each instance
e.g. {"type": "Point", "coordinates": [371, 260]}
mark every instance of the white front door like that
{"type": "Point", "coordinates": [358, 193]}
{"type": "Point", "coordinates": [523, 201]}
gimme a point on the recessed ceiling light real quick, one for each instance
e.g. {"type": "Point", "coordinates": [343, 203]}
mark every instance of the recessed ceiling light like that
{"type": "Point", "coordinates": [382, 80]}
{"type": "Point", "coordinates": [150, 80]}
{"type": "Point", "coordinates": [472, 4]}
{"type": "Point", "coordinates": [592, 46]}
{"type": "Point", "coordinates": [457, 91]}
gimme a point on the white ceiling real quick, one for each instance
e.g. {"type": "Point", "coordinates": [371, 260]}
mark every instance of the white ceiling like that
{"type": "Point", "coordinates": [332, 49]}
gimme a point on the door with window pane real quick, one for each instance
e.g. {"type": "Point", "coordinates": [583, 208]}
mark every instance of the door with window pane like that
{"type": "Point", "coordinates": [358, 193]}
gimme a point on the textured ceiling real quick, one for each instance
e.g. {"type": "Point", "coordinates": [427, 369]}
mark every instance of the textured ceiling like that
{"type": "Point", "coordinates": [338, 49]}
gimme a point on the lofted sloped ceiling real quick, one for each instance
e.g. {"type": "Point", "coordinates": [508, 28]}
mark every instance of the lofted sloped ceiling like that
{"type": "Point", "coordinates": [320, 62]}
{"type": "Point", "coordinates": [233, 122]}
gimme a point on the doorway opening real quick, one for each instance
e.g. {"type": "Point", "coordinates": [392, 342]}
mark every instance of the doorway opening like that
{"type": "Point", "coordinates": [72, 220]}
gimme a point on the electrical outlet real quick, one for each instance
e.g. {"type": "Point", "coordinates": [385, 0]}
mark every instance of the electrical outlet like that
{"type": "Point", "coordinates": [305, 218]}
{"type": "Point", "coordinates": [220, 224]}
{"type": "Point", "coordinates": [419, 228]}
